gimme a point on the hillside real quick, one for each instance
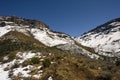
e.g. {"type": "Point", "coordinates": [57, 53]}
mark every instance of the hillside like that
{"type": "Point", "coordinates": [30, 50]}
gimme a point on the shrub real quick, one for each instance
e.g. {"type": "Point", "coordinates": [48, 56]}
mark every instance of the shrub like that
{"type": "Point", "coordinates": [26, 62]}
{"type": "Point", "coordinates": [46, 63]}
{"type": "Point", "coordinates": [11, 56]}
{"type": "Point", "coordinates": [2, 24]}
{"type": "Point", "coordinates": [117, 63]}
{"type": "Point", "coordinates": [26, 78]}
{"type": "Point", "coordinates": [58, 57]}
{"type": "Point", "coordinates": [35, 60]}
{"type": "Point", "coordinates": [105, 75]}
{"type": "Point", "coordinates": [1, 59]}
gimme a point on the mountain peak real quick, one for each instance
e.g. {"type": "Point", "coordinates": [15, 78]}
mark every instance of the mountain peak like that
{"type": "Point", "coordinates": [106, 26]}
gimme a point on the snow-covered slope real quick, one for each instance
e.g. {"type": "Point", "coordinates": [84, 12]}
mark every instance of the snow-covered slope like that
{"type": "Point", "coordinates": [50, 38]}
{"type": "Point", "coordinates": [37, 29]}
{"type": "Point", "coordinates": [8, 71]}
{"type": "Point", "coordinates": [40, 32]}
{"type": "Point", "coordinates": [105, 39]}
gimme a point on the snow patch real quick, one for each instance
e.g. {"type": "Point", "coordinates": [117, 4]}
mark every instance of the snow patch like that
{"type": "Point", "coordinates": [3, 74]}
{"type": "Point", "coordinates": [48, 38]}
{"type": "Point", "coordinates": [50, 78]}
{"type": "Point", "coordinates": [20, 71]}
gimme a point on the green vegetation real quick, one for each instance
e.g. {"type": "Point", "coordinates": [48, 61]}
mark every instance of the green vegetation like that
{"type": "Point", "coordinates": [35, 60]}
{"type": "Point", "coordinates": [11, 56]}
{"type": "Point", "coordinates": [104, 76]}
{"type": "Point", "coordinates": [26, 62]}
{"type": "Point", "coordinates": [73, 67]}
{"type": "Point", "coordinates": [18, 42]}
{"type": "Point", "coordinates": [117, 62]}
{"type": "Point", "coordinates": [46, 63]}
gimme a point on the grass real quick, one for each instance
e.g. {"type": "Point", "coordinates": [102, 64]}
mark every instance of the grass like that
{"type": "Point", "coordinates": [72, 67]}
{"type": "Point", "coordinates": [16, 41]}
{"type": "Point", "coordinates": [46, 63]}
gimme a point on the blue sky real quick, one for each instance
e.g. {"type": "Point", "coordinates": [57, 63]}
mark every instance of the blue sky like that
{"type": "Point", "coordinates": [73, 17]}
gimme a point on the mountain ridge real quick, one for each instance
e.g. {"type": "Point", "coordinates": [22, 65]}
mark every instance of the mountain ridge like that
{"type": "Point", "coordinates": [104, 38]}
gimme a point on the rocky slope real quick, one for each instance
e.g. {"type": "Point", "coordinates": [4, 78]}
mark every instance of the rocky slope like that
{"type": "Point", "coordinates": [105, 39]}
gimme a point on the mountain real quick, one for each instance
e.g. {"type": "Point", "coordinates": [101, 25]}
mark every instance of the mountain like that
{"type": "Point", "coordinates": [34, 28]}
{"type": "Point", "coordinates": [105, 39]}
{"type": "Point", "coordinates": [33, 32]}
{"type": "Point", "coordinates": [30, 50]}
